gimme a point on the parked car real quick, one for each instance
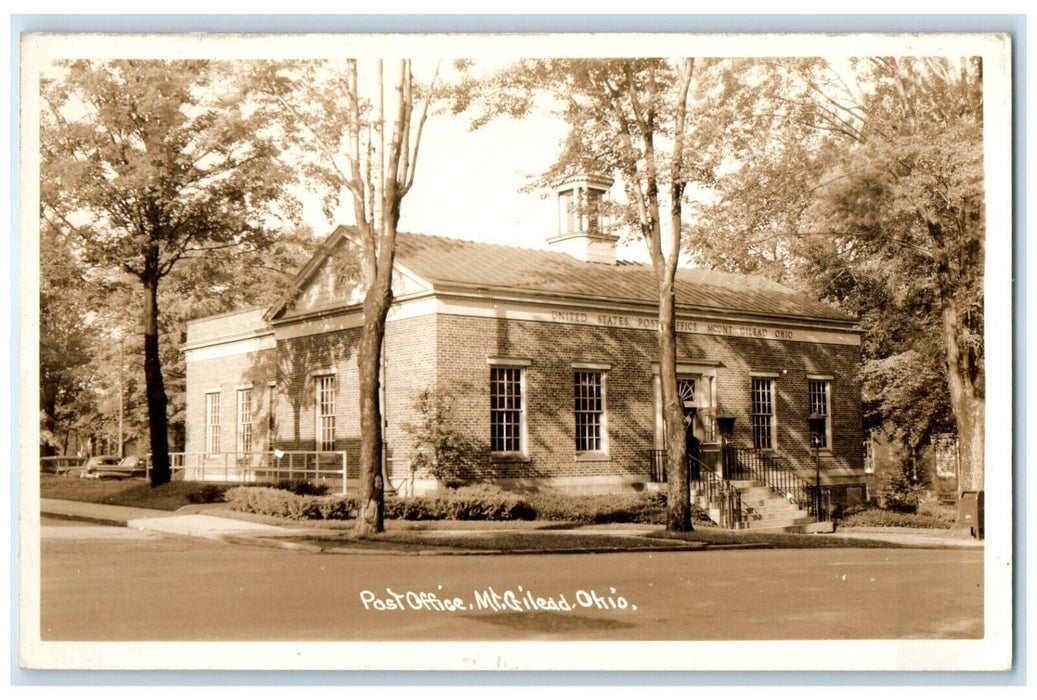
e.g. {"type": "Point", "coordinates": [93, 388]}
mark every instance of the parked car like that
{"type": "Point", "coordinates": [113, 468]}
{"type": "Point", "coordinates": [60, 465]}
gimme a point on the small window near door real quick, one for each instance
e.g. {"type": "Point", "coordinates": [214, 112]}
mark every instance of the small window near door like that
{"type": "Point", "coordinates": [818, 392]}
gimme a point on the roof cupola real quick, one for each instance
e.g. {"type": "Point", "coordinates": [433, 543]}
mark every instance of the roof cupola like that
{"type": "Point", "coordinates": [582, 224]}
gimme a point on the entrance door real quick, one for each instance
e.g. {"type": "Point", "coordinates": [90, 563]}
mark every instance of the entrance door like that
{"type": "Point", "coordinates": [691, 444]}
{"type": "Point", "coordinates": [687, 389]}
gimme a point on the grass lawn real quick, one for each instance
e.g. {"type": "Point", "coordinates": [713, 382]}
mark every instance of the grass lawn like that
{"type": "Point", "coordinates": [510, 541]}
{"type": "Point", "coordinates": [717, 536]}
{"type": "Point", "coordinates": [136, 493]}
{"type": "Point", "coordinates": [531, 535]}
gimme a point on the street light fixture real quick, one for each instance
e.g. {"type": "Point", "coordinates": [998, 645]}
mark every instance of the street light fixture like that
{"type": "Point", "coordinates": [726, 426]}
{"type": "Point", "coordinates": [816, 423]}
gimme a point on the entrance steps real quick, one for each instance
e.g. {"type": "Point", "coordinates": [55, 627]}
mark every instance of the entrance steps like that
{"type": "Point", "coordinates": [765, 510]}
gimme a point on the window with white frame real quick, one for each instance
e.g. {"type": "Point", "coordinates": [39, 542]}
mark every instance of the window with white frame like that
{"type": "Point", "coordinates": [763, 413]}
{"type": "Point", "coordinates": [818, 393]}
{"type": "Point", "coordinates": [589, 410]}
{"type": "Point", "coordinates": [506, 409]}
{"type": "Point", "coordinates": [325, 400]}
{"type": "Point", "coordinates": [244, 420]}
{"type": "Point", "coordinates": [212, 422]}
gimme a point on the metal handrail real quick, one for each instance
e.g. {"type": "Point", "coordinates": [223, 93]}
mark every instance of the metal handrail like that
{"type": "Point", "coordinates": [257, 467]}
{"type": "Point", "coordinates": [718, 494]}
{"type": "Point", "coordinates": [755, 465]}
{"type": "Point", "coordinates": [657, 466]}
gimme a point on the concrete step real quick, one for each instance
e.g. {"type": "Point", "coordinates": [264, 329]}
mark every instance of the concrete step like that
{"type": "Point", "coordinates": [771, 523]}
{"type": "Point", "coordinates": [805, 528]}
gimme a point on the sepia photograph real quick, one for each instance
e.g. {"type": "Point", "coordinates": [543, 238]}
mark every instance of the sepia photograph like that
{"type": "Point", "coordinates": [543, 352]}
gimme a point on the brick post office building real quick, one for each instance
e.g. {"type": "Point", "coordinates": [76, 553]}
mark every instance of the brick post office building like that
{"type": "Point", "coordinates": [550, 357]}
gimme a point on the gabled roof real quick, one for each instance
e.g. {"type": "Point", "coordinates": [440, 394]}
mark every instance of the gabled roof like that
{"type": "Point", "coordinates": [446, 262]}
{"type": "Point", "coordinates": [449, 263]}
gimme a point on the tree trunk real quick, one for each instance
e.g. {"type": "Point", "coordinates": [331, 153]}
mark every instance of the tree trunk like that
{"type": "Point", "coordinates": [370, 520]}
{"type": "Point", "coordinates": [678, 511]}
{"type": "Point", "coordinates": [967, 404]}
{"type": "Point", "coordinates": [155, 387]}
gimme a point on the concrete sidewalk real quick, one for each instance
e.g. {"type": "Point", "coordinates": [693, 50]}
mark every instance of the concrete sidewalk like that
{"type": "Point", "coordinates": [172, 522]}
{"type": "Point", "coordinates": [193, 524]}
{"type": "Point", "coordinates": [915, 536]}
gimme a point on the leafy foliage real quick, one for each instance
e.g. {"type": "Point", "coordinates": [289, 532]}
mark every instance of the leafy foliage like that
{"type": "Point", "coordinates": [863, 184]}
{"type": "Point", "coordinates": [441, 450]}
{"type": "Point", "coordinates": [147, 169]}
{"type": "Point", "coordinates": [900, 495]}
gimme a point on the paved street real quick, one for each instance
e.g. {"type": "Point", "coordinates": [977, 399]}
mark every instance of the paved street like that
{"type": "Point", "coordinates": [103, 583]}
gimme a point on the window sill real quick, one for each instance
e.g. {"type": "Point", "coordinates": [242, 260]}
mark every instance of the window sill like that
{"type": "Point", "coordinates": [508, 458]}
{"type": "Point", "coordinates": [592, 457]}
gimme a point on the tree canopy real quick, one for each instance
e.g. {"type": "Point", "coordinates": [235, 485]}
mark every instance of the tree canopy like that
{"type": "Point", "coordinates": [864, 184]}
{"type": "Point", "coordinates": [145, 164]}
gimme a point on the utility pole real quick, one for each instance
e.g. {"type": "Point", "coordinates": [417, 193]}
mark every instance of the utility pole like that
{"type": "Point", "coordinates": [120, 394]}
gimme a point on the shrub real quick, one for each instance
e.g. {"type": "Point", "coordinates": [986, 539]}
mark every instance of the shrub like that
{"type": "Point", "coordinates": [440, 449]}
{"type": "Point", "coordinates": [285, 504]}
{"type": "Point", "coordinates": [877, 517]}
{"type": "Point", "coordinates": [480, 502]}
{"type": "Point", "coordinates": [613, 508]}
{"type": "Point", "coordinates": [302, 488]}
{"type": "Point", "coordinates": [900, 495]}
{"type": "Point", "coordinates": [210, 493]}
{"type": "Point", "coordinates": [468, 503]}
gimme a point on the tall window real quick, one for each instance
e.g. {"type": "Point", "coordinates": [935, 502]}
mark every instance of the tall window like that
{"type": "Point", "coordinates": [763, 413]}
{"type": "Point", "coordinates": [505, 409]}
{"type": "Point", "coordinates": [244, 420]}
{"type": "Point", "coordinates": [817, 392]}
{"type": "Point", "coordinates": [212, 422]}
{"type": "Point", "coordinates": [589, 410]}
{"type": "Point", "coordinates": [325, 385]}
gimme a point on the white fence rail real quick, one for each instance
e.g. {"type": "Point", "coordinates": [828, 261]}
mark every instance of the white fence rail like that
{"type": "Point", "coordinates": [259, 467]}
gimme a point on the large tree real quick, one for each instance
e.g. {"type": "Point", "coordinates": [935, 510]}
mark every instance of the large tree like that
{"type": "Point", "coordinates": [360, 151]}
{"type": "Point", "coordinates": [863, 182]}
{"type": "Point", "coordinates": [145, 164]}
{"type": "Point", "coordinates": [641, 119]}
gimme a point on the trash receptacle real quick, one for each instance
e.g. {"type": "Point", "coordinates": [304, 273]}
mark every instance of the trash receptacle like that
{"type": "Point", "coordinates": [970, 512]}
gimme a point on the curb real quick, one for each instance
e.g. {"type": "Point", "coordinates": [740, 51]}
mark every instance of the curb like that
{"type": "Point", "coordinates": [390, 550]}
{"type": "Point", "coordinates": [270, 543]}
{"type": "Point", "coordinates": [97, 520]}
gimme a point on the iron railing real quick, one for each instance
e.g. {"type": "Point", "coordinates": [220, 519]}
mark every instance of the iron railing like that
{"type": "Point", "coordinates": [259, 467]}
{"type": "Point", "coordinates": [741, 464]}
{"type": "Point", "coordinates": [657, 466]}
{"type": "Point", "coordinates": [716, 494]}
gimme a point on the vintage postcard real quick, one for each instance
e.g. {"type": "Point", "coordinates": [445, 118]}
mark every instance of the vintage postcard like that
{"type": "Point", "coordinates": [515, 352]}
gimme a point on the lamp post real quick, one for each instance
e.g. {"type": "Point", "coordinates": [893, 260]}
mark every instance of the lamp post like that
{"type": "Point", "coordinates": [120, 394]}
{"type": "Point", "coordinates": [816, 423]}
{"type": "Point", "coordinates": [726, 426]}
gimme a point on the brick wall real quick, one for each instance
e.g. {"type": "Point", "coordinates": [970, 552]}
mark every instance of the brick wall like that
{"type": "Point", "coordinates": [299, 362]}
{"type": "Point", "coordinates": [410, 357]}
{"type": "Point", "coordinates": [228, 374]}
{"type": "Point", "coordinates": [410, 368]}
{"type": "Point", "coordinates": [464, 343]}
{"type": "Point", "coordinates": [449, 354]}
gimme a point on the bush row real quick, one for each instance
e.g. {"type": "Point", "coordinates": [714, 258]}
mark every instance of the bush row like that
{"type": "Point", "coordinates": [876, 517]}
{"type": "Point", "coordinates": [472, 503]}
